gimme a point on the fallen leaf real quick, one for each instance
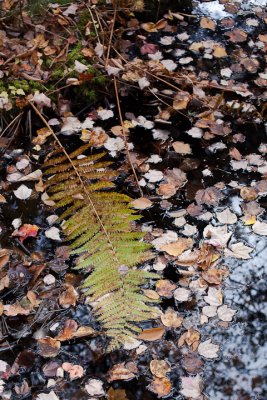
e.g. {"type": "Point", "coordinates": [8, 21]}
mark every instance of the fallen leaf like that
{"type": "Point", "coordinates": [225, 313]}
{"type": "Point", "coordinates": [161, 386]}
{"type": "Point", "coordinates": [69, 330]}
{"type": "Point", "coordinates": [23, 192]}
{"type": "Point", "coordinates": [208, 349]}
{"type": "Point", "coordinates": [237, 35]}
{"type": "Point", "coordinates": [48, 346]}
{"type": "Point", "coordinates": [260, 228]}
{"type": "Point", "coordinates": [47, 396]}
{"type": "Point", "coordinates": [214, 297]}
{"type": "Point", "coordinates": [210, 196]}
{"type": "Point", "coordinates": [68, 297]}
{"type": "Point", "coordinates": [181, 294]}
{"type": "Point", "coordinates": [94, 387]}
{"type": "Point", "coordinates": [207, 23]}
{"type": "Point", "coordinates": [12, 310]}
{"type": "Point", "coordinates": [122, 371]}
{"type": "Point", "coordinates": [178, 247]}
{"type": "Point", "coordinates": [142, 203]}
{"type": "Point", "coordinates": [152, 334]}
{"type": "Point", "coordinates": [41, 100]}
{"type": "Point", "coordinates": [159, 368]}
{"type": "Point", "coordinates": [171, 319]}
{"type": "Point", "coordinates": [217, 236]}
{"type": "Point", "coordinates": [117, 394]}
{"type": "Point", "coordinates": [53, 233]}
{"type": "Point", "coordinates": [25, 231]}
{"type": "Point", "coordinates": [239, 250]}
{"type": "Point", "coordinates": [165, 288]}
{"type": "Point", "coordinates": [182, 148]}
{"type": "Point", "coordinates": [191, 386]}
{"type": "Point", "coordinates": [192, 363]}
{"type": "Point", "coordinates": [180, 101]}
{"type": "Point", "coordinates": [75, 371]}
{"type": "Point", "coordinates": [226, 217]}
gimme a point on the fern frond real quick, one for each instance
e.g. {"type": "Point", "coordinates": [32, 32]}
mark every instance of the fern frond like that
{"type": "Point", "coordinates": [98, 224]}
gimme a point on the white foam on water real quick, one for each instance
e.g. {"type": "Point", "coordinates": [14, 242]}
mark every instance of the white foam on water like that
{"type": "Point", "coordinates": [215, 10]}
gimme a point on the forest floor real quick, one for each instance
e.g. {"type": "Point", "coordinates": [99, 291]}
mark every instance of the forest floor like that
{"type": "Point", "coordinates": [177, 99]}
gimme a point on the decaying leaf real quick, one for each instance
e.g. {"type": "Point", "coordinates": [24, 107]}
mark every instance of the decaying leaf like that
{"type": "Point", "coordinates": [171, 319]}
{"type": "Point", "coordinates": [191, 387]}
{"type": "Point", "coordinates": [260, 228]}
{"type": "Point", "coordinates": [49, 347]}
{"type": "Point", "coordinates": [178, 247]}
{"type": "Point", "coordinates": [122, 371]}
{"type": "Point", "coordinates": [239, 250]}
{"type": "Point", "coordinates": [225, 313]}
{"type": "Point", "coordinates": [94, 387]}
{"type": "Point", "coordinates": [150, 335]}
{"type": "Point", "coordinates": [159, 368]}
{"type": "Point", "coordinates": [161, 386]}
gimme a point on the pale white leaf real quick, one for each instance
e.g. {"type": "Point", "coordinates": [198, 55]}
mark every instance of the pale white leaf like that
{"type": "Point", "coordinates": [79, 67]}
{"type": "Point", "coordinates": [191, 386]}
{"type": "Point", "coordinates": [170, 65]}
{"type": "Point", "coordinates": [47, 396]}
{"type": "Point", "coordinates": [208, 349]}
{"type": "Point", "coordinates": [41, 100]}
{"type": "Point", "coordinates": [94, 387]}
{"type": "Point", "coordinates": [214, 297]}
{"type": "Point", "coordinates": [154, 176]}
{"type": "Point", "coordinates": [260, 228]}
{"type": "Point", "coordinates": [217, 236]}
{"type": "Point", "coordinates": [226, 217]}
{"type": "Point", "coordinates": [195, 132]}
{"type": "Point", "coordinates": [181, 294]}
{"type": "Point", "coordinates": [23, 192]}
{"type": "Point", "coordinates": [16, 223]}
{"type": "Point", "coordinates": [22, 164]}
{"type": "Point", "coordinates": [225, 313]}
{"type": "Point", "coordinates": [239, 250]}
{"type": "Point", "coordinates": [209, 311]}
{"type": "Point", "coordinates": [143, 83]}
{"type": "Point", "coordinates": [105, 114]}
{"type": "Point", "coordinates": [53, 233]}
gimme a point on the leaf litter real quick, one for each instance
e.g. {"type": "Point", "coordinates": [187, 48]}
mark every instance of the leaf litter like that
{"type": "Point", "coordinates": [201, 124]}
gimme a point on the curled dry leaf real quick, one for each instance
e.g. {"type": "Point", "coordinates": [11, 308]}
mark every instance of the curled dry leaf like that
{"type": "Point", "coordinates": [68, 297]}
{"type": "Point", "coordinates": [25, 231]}
{"type": "Point", "coordinates": [68, 332]}
{"type": "Point", "coordinates": [208, 349]}
{"type": "Point", "coordinates": [122, 372]}
{"type": "Point", "coordinates": [161, 386]}
{"type": "Point", "coordinates": [214, 297]}
{"type": "Point", "coordinates": [159, 368]}
{"type": "Point", "coordinates": [165, 288]}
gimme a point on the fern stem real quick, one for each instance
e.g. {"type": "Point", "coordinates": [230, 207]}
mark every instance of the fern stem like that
{"type": "Point", "coordinates": [80, 180]}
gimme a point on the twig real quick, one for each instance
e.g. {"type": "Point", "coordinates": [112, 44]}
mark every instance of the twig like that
{"type": "Point", "coordinates": [124, 134]}
{"type": "Point", "coordinates": [111, 35]}
{"type": "Point", "coordinates": [23, 54]}
{"type": "Point", "coordinates": [11, 123]}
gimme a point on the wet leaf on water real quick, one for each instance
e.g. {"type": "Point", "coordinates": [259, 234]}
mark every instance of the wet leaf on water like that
{"type": "Point", "coordinates": [191, 363]}
{"type": "Point", "coordinates": [25, 231]}
{"type": "Point", "coordinates": [208, 349]}
{"type": "Point", "coordinates": [47, 396]}
{"type": "Point", "coordinates": [182, 148]}
{"type": "Point", "coordinates": [191, 387]}
{"type": "Point", "coordinates": [207, 23]}
{"type": "Point", "coordinates": [226, 217]}
{"type": "Point", "coordinates": [165, 288]}
{"type": "Point", "coordinates": [142, 203]}
{"type": "Point", "coordinates": [161, 386]}
{"type": "Point", "coordinates": [214, 297]}
{"type": "Point", "coordinates": [159, 368]}
{"type": "Point", "coordinates": [23, 192]}
{"type": "Point", "coordinates": [182, 294]}
{"type": "Point", "coordinates": [239, 250]}
{"type": "Point", "coordinates": [122, 372]}
{"type": "Point", "coordinates": [48, 346]}
{"type": "Point", "coordinates": [178, 247]}
{"type": "Point", "coordinates": [171, 319]}
{"type": "Point", "coordinates": [191, 338]}
{"type": "Point", "coordinates": [150, 335]}
{"type": "Point", "coordinates": [260, 228]}
{"type": "Point", "coordinates": [75, 371]}
{"type": "Point", "coordinates": [94, 387]}
{"type": "Point", "coordinates": [217, 236]}
{"type": "Point", "coordinates": [225, 313]}
{"type": "Point", "coordinates": [209, 196]}
{"type": "Point", "coordinates": [69, 330]}
{"type": "Point", "coordinates": [237, 35]}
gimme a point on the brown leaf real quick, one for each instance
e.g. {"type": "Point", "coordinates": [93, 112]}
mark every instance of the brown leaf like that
{"type": "Point", "coordinates": [141, 204]}
{"type": "Point", "coordinates": [167, 190]}
{"type": "Point", "coordinates": [152, 334]}
{"type": "Point", "coordinates": [117, 394]}
{"type": "Point", "coordinates": [219, 51]}
{"type": "Point", "coordinates": [192, 364]}
{"type": "Point", "coordinates": [191, 338]}
{"type": "Point", "coordinates": [207, 23]}
{"type": "Point", "coordinates": [178, 247]}
{"type": "Point", "coordinates": [4, 257]}
{"type": "Point", "coordinates": [50, 369]}
{"type": "Point", "coordinates": [12, 310]}
{"type": "Point", "coordinates": [70, 327]}
{"type": "Point", "coordinates": [237, 35]}
{"type": "Point", "coordinates": [213, 275]}
{"type": "Point", "coordinates": [181, 100]}
{"type": "Point", "coordinates": [122, 372]}
{"type": "Point", "coordinates": [182, 148]}
{"type": "Point", "coordinates": [48, 346]}
{"type": "Point", "coordinates": [161, 386]}
{"type": "Point", "coordinates": [159, 368]}
{"type": "Point", "coordinates": [84, 331]}
{"type": "Point", "coordinates": [69, 297]}
{"type": "Point", "coordinates": [165, 288]}
{"type": "Point", "coordinates": [209, 196]}
{"type": "Point", "coordinates": [248, 193]}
